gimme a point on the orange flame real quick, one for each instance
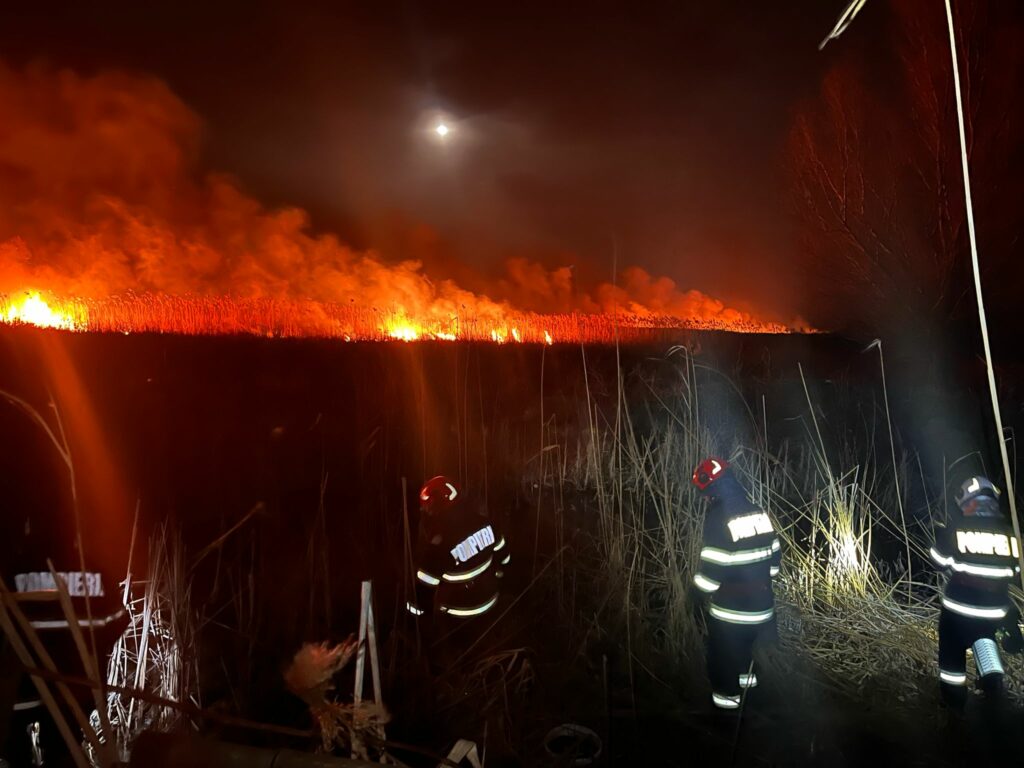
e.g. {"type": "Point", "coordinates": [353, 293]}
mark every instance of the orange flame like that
{"type": "Point", "coordinates": [282, 318]}
{"type": "Point", "coordinates": [403, 332]}
{"type": "Point", "coordinates": [103, 213]}
{"type": "Point", "coordinates": [32, 310]}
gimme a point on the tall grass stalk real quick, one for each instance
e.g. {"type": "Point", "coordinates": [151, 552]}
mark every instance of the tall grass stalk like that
{"type": "Point", "coordinates": [892, 446]}
{"type": "Point", "coordinates": [860, 620]}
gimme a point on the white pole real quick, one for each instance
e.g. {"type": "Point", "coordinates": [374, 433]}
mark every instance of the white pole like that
{"type": "Point", "coordinates": [977, 288]}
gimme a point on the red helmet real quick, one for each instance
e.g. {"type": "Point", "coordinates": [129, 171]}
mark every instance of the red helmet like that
{"type": "Point", "coordinates": [438, 492]}
{"type": "Point", "coordinates": [708, 471]}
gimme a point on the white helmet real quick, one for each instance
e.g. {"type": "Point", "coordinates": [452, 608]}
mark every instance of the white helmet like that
{"type": "Point", "coordinates": [976, 487]}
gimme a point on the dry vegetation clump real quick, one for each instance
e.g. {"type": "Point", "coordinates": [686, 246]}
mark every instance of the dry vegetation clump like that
{"type": "Point", "coordinates": [152, 653]}
{"type": "Point", "coordinates": [310, 676]}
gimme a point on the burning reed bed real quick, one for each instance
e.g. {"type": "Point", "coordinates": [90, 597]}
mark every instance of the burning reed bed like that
{"type": "Point", "coordinates": [294, 318]}
{"type": "Point", "coordinates": [857, 596]}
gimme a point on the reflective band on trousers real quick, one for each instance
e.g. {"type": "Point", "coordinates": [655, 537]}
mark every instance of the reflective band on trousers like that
{"type": "Point", "coordinates": [466, 576]}
{"type": "Point", "coordinates": [471, 611]}
{"type": "Point", "coordinates": [705, 584]}
{"type": "Point", "coordinates": [748, 681]}
{"type": "Point", "coordinates": [426, 578]}
{"type": "Point", "coordinates": [413, 609]}
{"type": "Point", "coordinates": [725, 702]}
{"type": "Point", "coordinates": [986, 657]}
{"type": "Point", "coordinates": [742, 617]}
{"type": "Point", "coordinates": [774, 570]}
{"type": "Point", "coordinates": [742, 557]}
{"type": "Point", "coordinates": [953, 678]}
{"type": "Point", "coordinates": [974, 611]}
{"type": "Point", "coordinates": [986, 571]}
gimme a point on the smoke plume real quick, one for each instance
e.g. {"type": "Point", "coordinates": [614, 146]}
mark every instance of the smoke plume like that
{"type": "Point", "coordinates": [101, 195]}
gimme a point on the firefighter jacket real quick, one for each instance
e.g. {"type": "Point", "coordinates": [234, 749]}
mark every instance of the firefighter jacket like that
{"type": "Point", "coordinates": [460, 560]}
{"type": "Point", "coordinates": [739, 557]}
{"type": "Point", "coordinates": [980, 554]}
{"type": "Point", "coordinates": [31, 541]}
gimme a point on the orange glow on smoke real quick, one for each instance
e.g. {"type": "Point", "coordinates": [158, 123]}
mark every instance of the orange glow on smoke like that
{"type": "Point", "coordinates": [107, 225]}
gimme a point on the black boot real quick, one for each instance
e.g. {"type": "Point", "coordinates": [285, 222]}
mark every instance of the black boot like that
{"type": "Point", "coordinates": [954, 697]}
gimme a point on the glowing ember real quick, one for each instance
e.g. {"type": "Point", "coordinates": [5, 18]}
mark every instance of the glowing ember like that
{"type": "Point", "coordinates": [32, 310]}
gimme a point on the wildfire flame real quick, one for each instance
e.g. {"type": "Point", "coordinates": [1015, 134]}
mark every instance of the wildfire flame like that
{"type": "Point", "coordinates": [403, 332]}
{"type": "Point", "coordinates": [282, 318]}
{"type": "Point", "coordinates": [107, 225]}
{"type": "Point", "coordinates": [32, 310]}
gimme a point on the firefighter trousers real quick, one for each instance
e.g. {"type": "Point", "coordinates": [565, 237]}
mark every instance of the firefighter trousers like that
{"type": "Point", "coordinates": [10, 677]}
{"type": "Point", "coordinates": [731, 653]}
{"type": "Point", "coordinates": [957, 633]}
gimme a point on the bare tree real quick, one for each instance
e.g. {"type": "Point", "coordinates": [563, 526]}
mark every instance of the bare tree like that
{"type": "Point", "coordinates": [876, 169]}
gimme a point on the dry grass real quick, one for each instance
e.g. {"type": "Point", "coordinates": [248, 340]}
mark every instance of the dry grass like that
{"type": "Point", "coordinates": [858, 620]}
{"type": "Point", "coordinates": [153, 654]}
{"type": "Point", "coordinates": [310, 676]}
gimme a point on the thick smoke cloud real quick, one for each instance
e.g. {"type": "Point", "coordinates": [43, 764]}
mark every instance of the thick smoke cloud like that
{"type": "Point", "coordinates": [101, 194]}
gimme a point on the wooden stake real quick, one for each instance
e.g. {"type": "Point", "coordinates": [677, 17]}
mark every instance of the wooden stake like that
{"type": "Point", "coordinates": [367, 637]}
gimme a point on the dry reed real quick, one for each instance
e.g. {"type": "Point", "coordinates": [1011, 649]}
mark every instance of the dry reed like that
{"type": "Point", "coordinates": [846, 615]}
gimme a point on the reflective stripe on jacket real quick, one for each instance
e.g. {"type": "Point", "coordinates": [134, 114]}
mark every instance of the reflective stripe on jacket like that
{"type": "Point", "coordinates": [980, 556]}
{"type": "Point", "coordinates": [460, 559]}
{"type": "Point", "coordinates": [740, 554]}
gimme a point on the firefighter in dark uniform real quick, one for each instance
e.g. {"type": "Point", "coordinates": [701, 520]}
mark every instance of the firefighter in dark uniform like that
{"type": "Point", "coordinates": [32, 540]}
{"type": "Point", "coordinates": [980, 553]}
{"type": "Point", "coordinates": [739, 558]}
{"type": "Point", "coordinates": [460, 556]}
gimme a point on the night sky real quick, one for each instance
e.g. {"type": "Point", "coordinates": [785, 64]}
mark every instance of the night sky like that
{"type": "Point", "coordinates": [649, 133]}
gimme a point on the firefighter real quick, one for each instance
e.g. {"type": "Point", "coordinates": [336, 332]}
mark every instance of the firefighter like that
{"type": "Point", "coordinates": [980, 554]}
{"type": "Point", "coordinates": [460, 555]}
{"type": "Point", "coordinates": [24, 722]}
{"type": "Point", "coordinates": [739, 558]}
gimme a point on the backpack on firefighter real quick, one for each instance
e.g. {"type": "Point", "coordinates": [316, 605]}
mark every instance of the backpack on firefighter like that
{"type": "Point", "coordinates": [979, 553]}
